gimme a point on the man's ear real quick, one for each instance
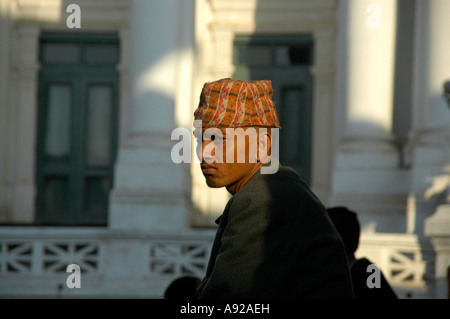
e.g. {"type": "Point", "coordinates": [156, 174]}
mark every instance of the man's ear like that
{"type": "Point", "coordinates": [264, 144]}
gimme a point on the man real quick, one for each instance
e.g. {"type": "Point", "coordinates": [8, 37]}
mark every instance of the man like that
{"type": "Point", "coordinates": [274, 238]}
{"type": "Point", "coordinates": [347, 224]}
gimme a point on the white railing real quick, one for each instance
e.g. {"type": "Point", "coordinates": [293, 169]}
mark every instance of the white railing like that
{"type": "Point", "coordinates": [33, 260]}
{"type": "Point", "coordinates": [406, 262]}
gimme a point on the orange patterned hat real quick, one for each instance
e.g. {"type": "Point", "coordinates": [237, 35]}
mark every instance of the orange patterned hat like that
{"type": "Point", "coordinates": [235, 103]}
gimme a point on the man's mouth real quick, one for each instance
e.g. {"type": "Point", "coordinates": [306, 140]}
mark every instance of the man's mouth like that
{"type": "Point", "coordinates": [208, 169]}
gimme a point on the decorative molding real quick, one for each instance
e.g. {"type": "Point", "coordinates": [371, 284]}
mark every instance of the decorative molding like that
{"type": "Point", "coordinates": [46, 257]}
{"type": "Point", "coordinates": [33, 261]}
{"type": "Point", "coordinates": [178, 258]}
{"type": "Point", "coordinates": [404, 260]}
{"type": "Point", "coordinates": [37, 259]}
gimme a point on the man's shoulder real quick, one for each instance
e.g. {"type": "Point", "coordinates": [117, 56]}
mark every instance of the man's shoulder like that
{"type": "Point", "coordinates": [284, 177]}
{"type": "Point", "coordinates": [286, 181]}
{"type": "Point", "coordinates": [284, 186]}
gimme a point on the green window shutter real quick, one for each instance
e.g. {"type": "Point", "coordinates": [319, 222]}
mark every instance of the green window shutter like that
{"type": "Point", "coordinates": [77, 128]}
{"type": "Point", "coordinates": [286, 61]}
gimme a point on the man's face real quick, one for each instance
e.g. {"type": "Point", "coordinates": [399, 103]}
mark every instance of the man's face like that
{"type": "Point", "coordinates": [227, 156]}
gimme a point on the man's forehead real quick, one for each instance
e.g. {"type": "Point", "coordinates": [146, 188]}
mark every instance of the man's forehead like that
{"type": "Point", "coordinates": [224, 130]}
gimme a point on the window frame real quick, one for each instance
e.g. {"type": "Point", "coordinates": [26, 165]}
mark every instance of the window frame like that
{"type": "Point", "coordinates": [284, 76]}
{"type": "Point", "coordinates": [80, 76]}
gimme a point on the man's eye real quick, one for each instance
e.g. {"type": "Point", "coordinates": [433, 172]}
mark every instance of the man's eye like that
{"type": "Point", "coordinates": [213, 137]}
{"type": "Point", "coordinates": [218, 138]}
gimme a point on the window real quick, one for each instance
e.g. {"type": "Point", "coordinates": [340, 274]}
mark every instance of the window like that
{"type": "Point", "coordinates": [77, 128]}
{"type": "Point", "coordinates": [285, 60]}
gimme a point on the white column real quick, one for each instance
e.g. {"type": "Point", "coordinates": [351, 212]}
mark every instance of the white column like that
{"type": "Point", "coordinates": [153, 60]}
{"type": "Point", "coordinates": [432, 64]}
{"type": "Point", "coordinates": [430, 139]}
{"type": "Point", "coordinates": [429, 146]}
{"type": "Point", "coordinates": [370, 30]}
{"type": "Point", "coordinates": [151, 192]}
{"type": "Point", "coordinates": [23, 113]}
{"type": "Point", "coordinates": [365, 175]}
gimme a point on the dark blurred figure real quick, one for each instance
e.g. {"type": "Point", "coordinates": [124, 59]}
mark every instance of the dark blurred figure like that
{"type": "Point", "coordinates": [182, 288]}
{"type": "Point", "coordinates": [347, 224]}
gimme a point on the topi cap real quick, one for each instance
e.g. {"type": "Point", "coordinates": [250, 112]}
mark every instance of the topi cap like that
{"type": "Point", "coordinates": [236, 103]}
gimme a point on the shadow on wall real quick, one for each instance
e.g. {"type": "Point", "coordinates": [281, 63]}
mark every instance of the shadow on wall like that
{"type": "Point", "coordinates": [440, 186]}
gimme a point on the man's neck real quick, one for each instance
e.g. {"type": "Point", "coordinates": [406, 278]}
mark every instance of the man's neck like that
{"type": "Point", "coordinates": [234, 188]}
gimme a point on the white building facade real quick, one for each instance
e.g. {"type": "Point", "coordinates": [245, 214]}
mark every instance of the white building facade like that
{"type": "Point", "coordinates": [90, 96]}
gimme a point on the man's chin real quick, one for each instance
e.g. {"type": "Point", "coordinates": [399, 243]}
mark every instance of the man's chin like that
{"type": "Point", "coordinates": [211, 182]}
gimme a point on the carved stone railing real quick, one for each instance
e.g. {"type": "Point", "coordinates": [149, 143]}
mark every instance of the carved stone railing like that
{"type": "Point", "coordinates": [34, 260]}
{"type": "Point", "coordinates": [406, 262]}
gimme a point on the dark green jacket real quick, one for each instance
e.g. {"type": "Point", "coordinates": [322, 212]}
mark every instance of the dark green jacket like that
{"type": "Point", "coordinates": [275, 240]}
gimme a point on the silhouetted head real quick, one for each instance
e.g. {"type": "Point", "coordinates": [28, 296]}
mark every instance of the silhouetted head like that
{"type": "Point", "coordinates": [183, 288]}
{"type": "Point", "coordinates": [346, 223]}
